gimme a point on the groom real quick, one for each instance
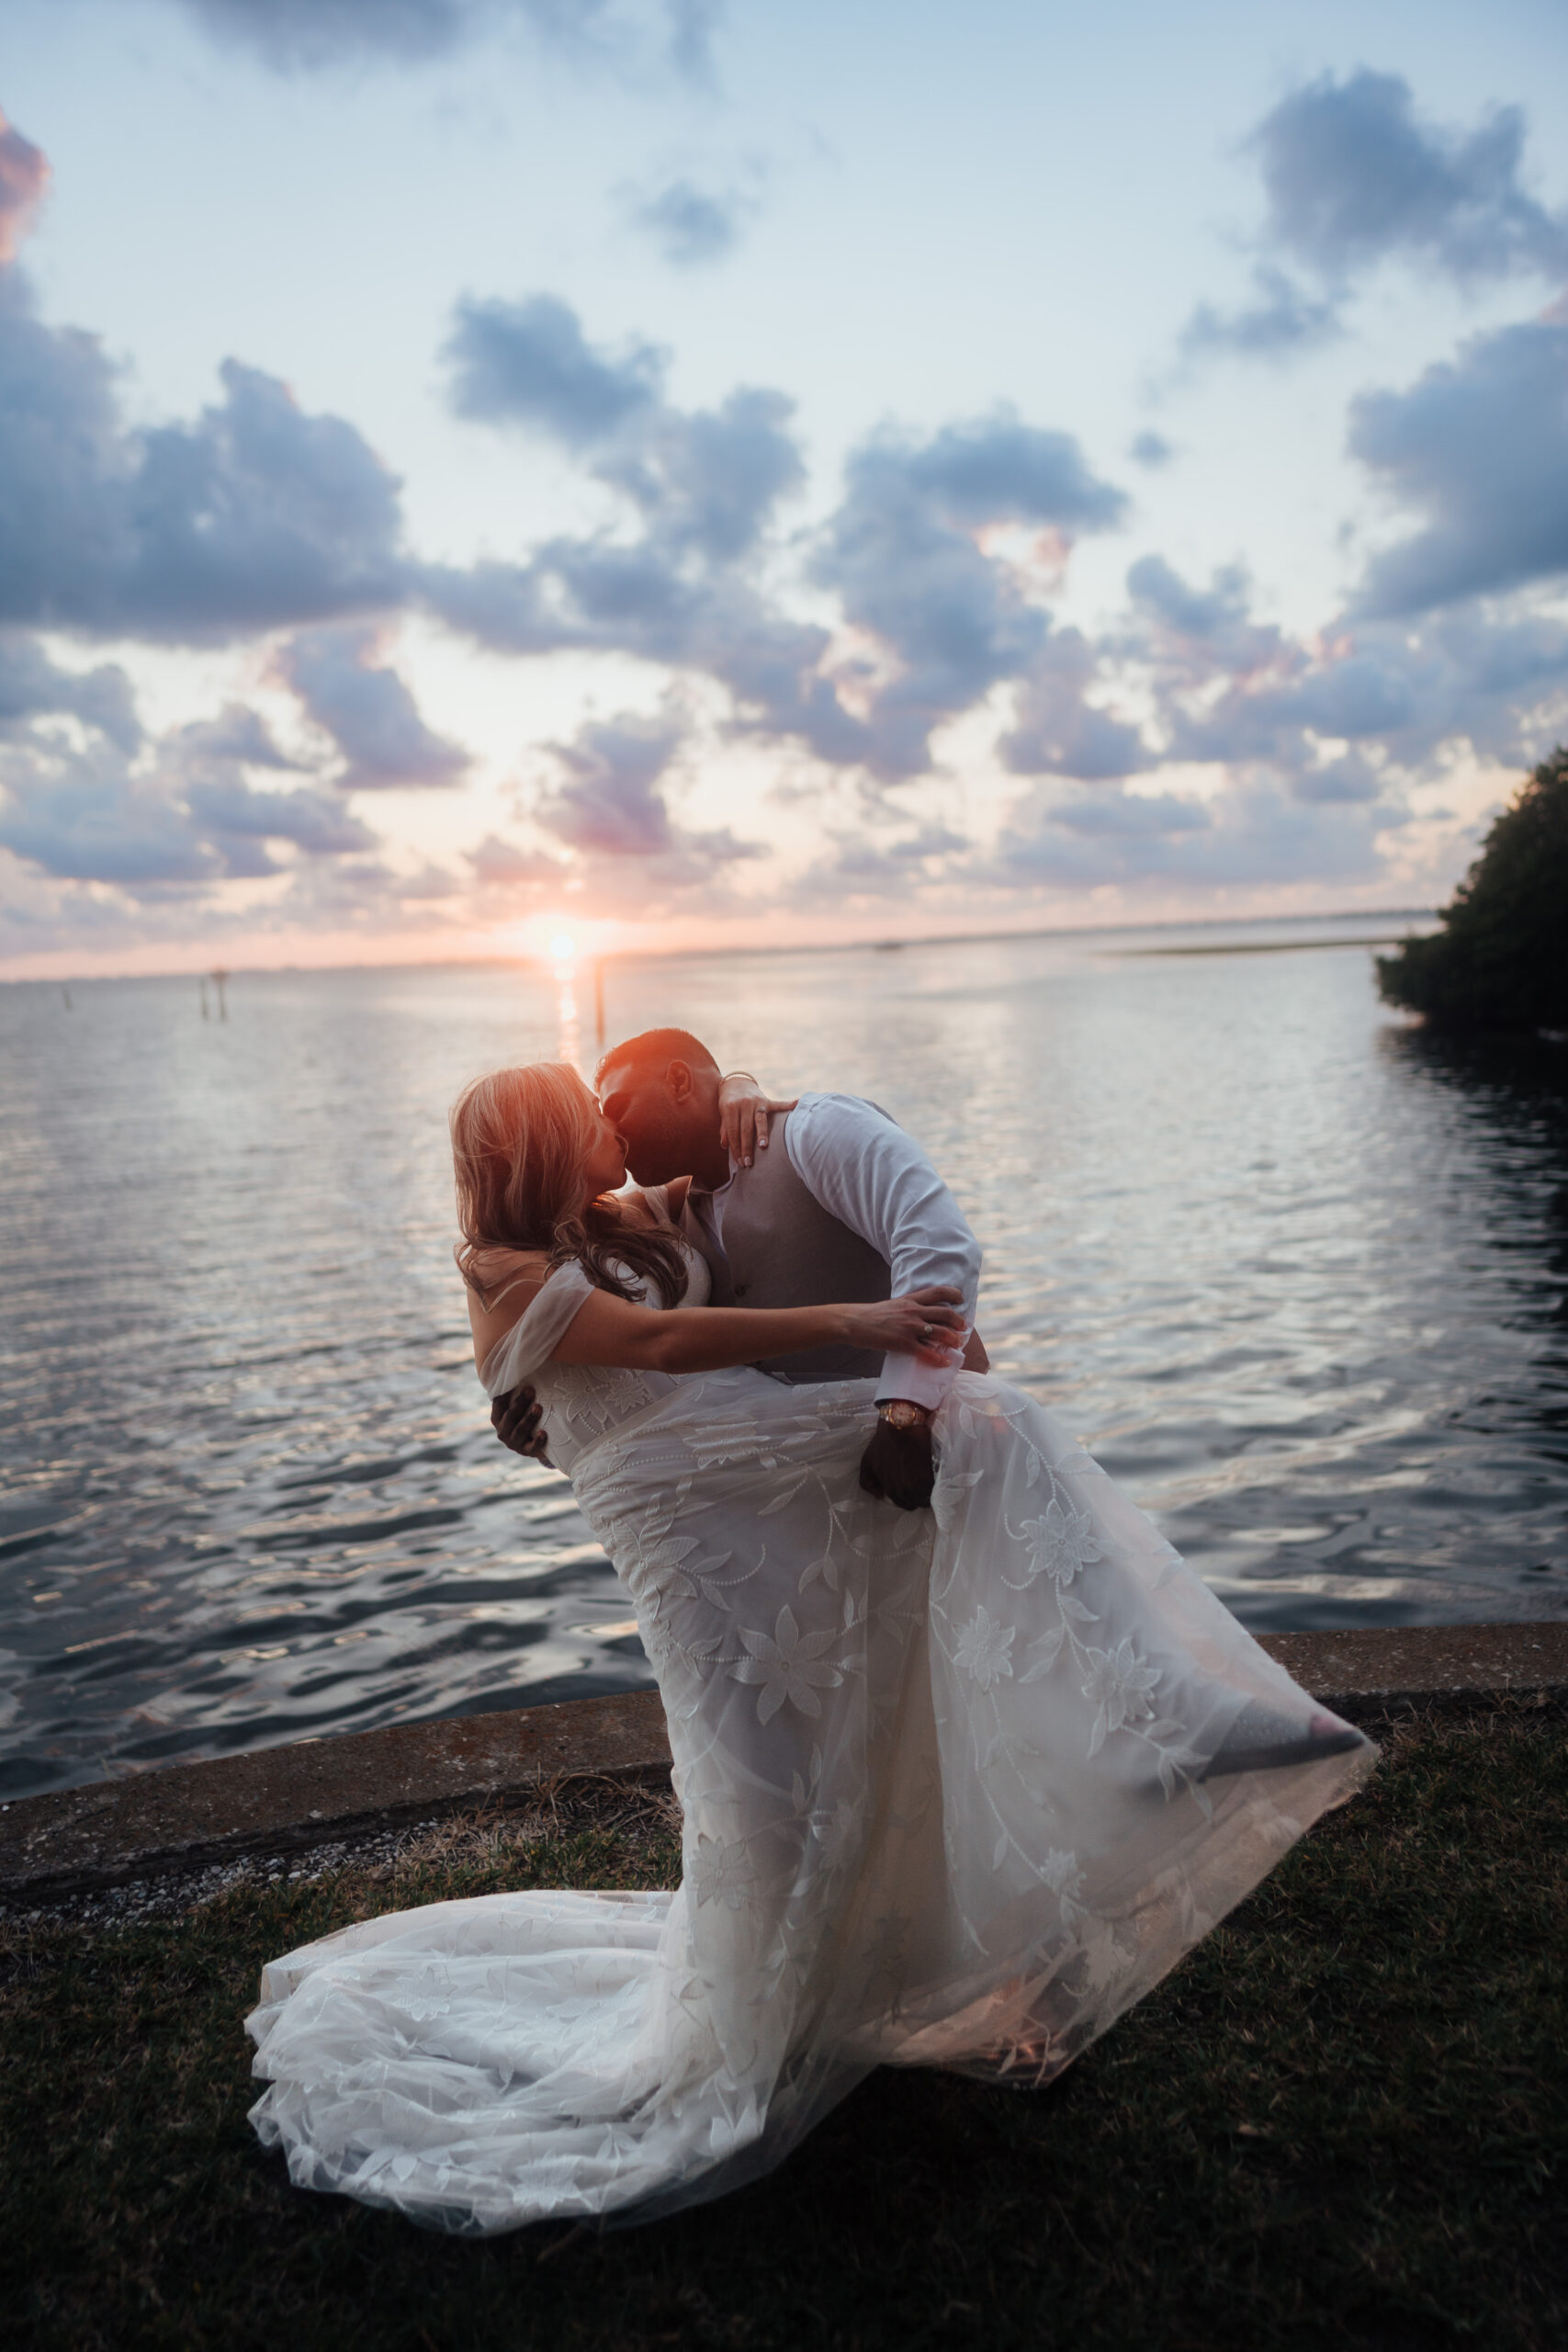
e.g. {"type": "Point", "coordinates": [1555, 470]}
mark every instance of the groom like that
{"type": "Point", "coordinates": [836, 1202]}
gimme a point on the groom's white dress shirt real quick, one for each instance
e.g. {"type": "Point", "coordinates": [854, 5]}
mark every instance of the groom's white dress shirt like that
{"type": "Point", "coordinates": [860, 1166]}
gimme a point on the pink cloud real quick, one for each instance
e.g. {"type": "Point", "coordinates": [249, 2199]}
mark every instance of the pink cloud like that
{"type": "Point", "coordinates": [24, 176]}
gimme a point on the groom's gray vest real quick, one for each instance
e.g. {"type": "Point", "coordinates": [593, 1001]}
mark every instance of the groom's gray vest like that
{"type": "Point", "coordinates": [782, 1247]}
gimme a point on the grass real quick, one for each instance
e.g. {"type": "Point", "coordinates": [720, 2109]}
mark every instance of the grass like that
{"type": "Point", "coordinates": [1338, 2124]}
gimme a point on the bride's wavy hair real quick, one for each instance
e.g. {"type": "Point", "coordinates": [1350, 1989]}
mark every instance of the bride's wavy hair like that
{"type": "Point", "coordinates": [521, 1140]}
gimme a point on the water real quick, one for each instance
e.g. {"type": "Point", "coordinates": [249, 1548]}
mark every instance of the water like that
{"type": "Point", "coordinates": [1295, 1272]}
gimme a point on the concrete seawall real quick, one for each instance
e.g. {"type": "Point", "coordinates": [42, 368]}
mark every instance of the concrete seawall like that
{"type": "Point", "coordinates": [292, 1798]}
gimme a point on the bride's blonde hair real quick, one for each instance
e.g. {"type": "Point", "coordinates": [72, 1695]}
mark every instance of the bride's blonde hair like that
{"type": "Point", "coordinates": [521, 1141]}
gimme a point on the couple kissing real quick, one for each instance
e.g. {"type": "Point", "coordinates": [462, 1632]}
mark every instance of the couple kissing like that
{"type": "Point", "coordinates": [966, 1757]}
{"type": "Point", "coordinates": [848, 1208]}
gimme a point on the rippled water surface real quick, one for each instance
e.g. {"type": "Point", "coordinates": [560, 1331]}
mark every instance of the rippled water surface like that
{"type": "Point", "coordinates": [1295, 1272]}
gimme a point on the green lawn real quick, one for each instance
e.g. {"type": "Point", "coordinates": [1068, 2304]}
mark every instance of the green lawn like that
{"type": "Point", "coordinates": [1340, 2124]}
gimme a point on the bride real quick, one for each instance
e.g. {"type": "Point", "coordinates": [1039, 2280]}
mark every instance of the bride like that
{"type": "Point", "coordinates": [957, 1787]}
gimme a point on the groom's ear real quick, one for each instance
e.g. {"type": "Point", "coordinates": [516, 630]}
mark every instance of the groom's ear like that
{"type": "Point", "coordinates": [679, 1080]}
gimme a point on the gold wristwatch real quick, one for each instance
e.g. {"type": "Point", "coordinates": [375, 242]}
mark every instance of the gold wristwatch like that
{"type": "Point", "coordinates": [899, 1413]}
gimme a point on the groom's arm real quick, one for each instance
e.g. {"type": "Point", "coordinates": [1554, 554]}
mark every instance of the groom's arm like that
{"type": "Point", "coordinates": [874, 1178]}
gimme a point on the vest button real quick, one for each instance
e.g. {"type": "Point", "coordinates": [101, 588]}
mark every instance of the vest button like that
{"type": "Point", "coordinates": [742, 1289]}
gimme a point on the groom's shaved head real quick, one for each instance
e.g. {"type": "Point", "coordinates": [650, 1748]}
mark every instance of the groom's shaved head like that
{"type": "Point", "coordinates": [653, 1052]}
{"type": "Point", "coordinates": [661, 1090]}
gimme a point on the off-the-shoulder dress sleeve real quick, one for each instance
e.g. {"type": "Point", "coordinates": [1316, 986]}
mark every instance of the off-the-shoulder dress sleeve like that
{"type": "Point", "coordinates": [537, 1332]}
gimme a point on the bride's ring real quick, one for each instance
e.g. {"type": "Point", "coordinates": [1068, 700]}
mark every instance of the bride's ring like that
{"type": "Point", "coordinates": [927, 1334]}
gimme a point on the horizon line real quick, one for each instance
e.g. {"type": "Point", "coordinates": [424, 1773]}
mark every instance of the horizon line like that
{"type": "Point", "coordinates": [885, 944]}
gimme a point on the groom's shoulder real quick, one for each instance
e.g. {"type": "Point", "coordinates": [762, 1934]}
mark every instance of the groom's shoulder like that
{"type": "Point", "coordinates": [861, 1103]}
{"type": "Point", "coordinates": [832, 1126]}
{"type": "Point", "coordinates": [831, 1106]}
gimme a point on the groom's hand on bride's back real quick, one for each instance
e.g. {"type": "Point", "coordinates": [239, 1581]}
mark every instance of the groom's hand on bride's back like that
{"type": "Point", "coordinates": [517, 1420]}
{"type": "Point", "coordinates": [898, 1465]}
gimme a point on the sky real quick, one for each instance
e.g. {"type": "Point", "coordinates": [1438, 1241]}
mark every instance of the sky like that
{"type": "Point", "coordinates": [679, 472]}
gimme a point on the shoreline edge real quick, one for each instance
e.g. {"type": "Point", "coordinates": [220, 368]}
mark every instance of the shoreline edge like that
{"type": "Point", "coordinates": [314, 1793]}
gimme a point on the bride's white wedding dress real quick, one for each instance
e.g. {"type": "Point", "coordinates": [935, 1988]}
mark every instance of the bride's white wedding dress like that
{"type": "Point", "coordinates": [942, 1782]}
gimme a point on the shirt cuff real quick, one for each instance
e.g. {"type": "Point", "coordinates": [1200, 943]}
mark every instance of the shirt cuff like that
{"type": "Point", "coordinates": [921, 1384]}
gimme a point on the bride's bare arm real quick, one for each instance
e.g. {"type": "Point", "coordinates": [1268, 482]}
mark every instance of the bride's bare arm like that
{"type": "Point", "coordinates": [610, 1330]}
{"type": "Point", "coordinates": [709, 1339]}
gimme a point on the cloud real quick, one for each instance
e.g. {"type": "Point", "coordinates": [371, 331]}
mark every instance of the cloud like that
{"type": "Point", "coordinates": [693, 24]}
{"type": "Point", "coordinates": [1352, 175]}
{"type": "Point", "coordinates": [1350, 778]}
{"type": "Point", "coordinates": [310, 36]}
{"type": "Point", "coordinates": [368, 711]}
{"type": "Point", "coordinates": [304, 35]}
{"type": "Point", "coordinates": [228, 811]}
{"type": "Point", "coordinates": [1192, 612]}
{"type": "Point", "coordinates": [1253, 835]}
{"type": "Point", "coordinates": [710, 480]}
{"type": "Point", "coordinates": [1227, 689]}
{"type": "Point", "coordinates": [115, 810]}
{"type": "Point", "coordinates": [529, 363]}
{"type": "Point", "coordinates": [997, 468]}
{"type": "Point", "coordinates": [609, 802]}
{"type": "Point", "coordinates": [701, 490]}
{"type": "Point", "coordinates": [608, 807]}
{"type": "Point", "coordinates": [666, 603]}
{"type": "Point", "coordinates": [24, 176]}
{"type": "Point", "coordinates": [1151, 449]}
{"type": "Point", "coordinates": [692, 225]}
{"type": "Point", "coordinates": [1129, 815]}
{"type": "Point", "coordinates": [253, 516]}
{"type": "Point", "coordinates": [1057, 732]}
{"type": "Point", "coordinates": [1344, 722]}
{"type": "Point", "coordinates": [707, 480]}
{"type": "Point", "coordinates": [663, 605]}
{"type": "Point", "coordinates": [1197, 631]}
{"type": "Point", "coordinates": [239, 734]}
{"type": "Point", "coordinates": [32, 686]}
{"type": "Point", "coordinates": [1282, 320]}
{"type": "Point", "coordinates": [902, 553]}
{"type": "Point", "coordinates": [932, 617]}
{"type": "Point", "coordinates": [501, 864]}
{"type": "Point", "coordinates": [860, 866]}
{"type": "Point", "coordinates": [82, 817]}
{"type": "Point", "coordinates": [188, 816]}
{"type": "Point", "coordinates": [1478, 445]}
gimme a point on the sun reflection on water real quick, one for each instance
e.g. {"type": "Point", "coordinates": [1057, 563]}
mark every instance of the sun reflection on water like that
{"type": "Point", "coordinates": [563, 960]}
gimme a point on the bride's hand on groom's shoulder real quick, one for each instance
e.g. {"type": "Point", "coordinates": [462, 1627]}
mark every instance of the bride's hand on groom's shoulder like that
{"type": "Point", "coordinates": [745, 1114]}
